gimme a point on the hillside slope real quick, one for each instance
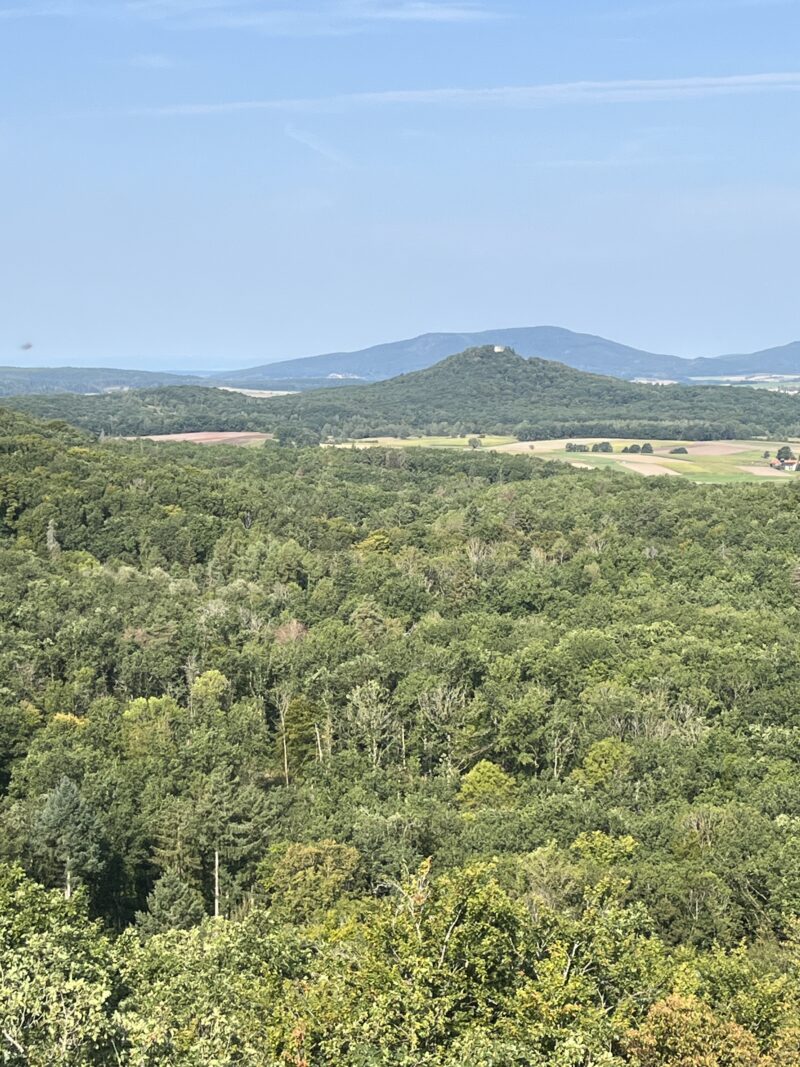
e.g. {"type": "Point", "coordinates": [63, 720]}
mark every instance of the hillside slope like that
{"type": "Point", "coordinates": [18, 430]}
{"type": "Point", "coordinates": [579, 350]}
{"type": "Point", "coordinates": [582, 351]}
{"type": "Point", "coordinates": [174, 409]}
{"type": "Point", "coordinates": [482, 390]}
{"type": "Point", "coordinates": [784, 359]}
{"type": "Point", "coordinates": [479, 390]}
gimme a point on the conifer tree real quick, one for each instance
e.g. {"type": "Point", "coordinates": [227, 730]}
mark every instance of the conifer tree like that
{"type": "Point", "coordinates": [67, 836]}
{"type": "Point", "coordinates": [172, 905]}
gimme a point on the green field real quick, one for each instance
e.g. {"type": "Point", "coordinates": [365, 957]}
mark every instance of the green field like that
{"type": "Point", "coordinates": [487, 441]}
{"type": "Point", "coordinates": [705, 461]}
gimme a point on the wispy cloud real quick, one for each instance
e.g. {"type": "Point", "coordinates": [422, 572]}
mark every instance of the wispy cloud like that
{"type": "Point", "coordinates": [690, 7]}
{"type": "Point", "coordinates": [530, 96]}
{"type": "Point", "coordinates": [271, 16]}
{"type": "Point", "coordinates": [318, 147]}
{"type": "Point", "coordinates": [421, 11]}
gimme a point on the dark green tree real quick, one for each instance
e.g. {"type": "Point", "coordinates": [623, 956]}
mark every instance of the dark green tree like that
{"type": "Point", "coordinates": [67, 837]}
{"type": "Point", "coordinates": [172, 905]}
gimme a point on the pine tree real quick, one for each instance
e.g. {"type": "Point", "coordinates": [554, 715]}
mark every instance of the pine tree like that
{"type": "Point", "coordinates": [67, 836]}
{"type": "Point", "coordinates": [227, 829]}
{"type": "Point", "coordinates": [173, 905]}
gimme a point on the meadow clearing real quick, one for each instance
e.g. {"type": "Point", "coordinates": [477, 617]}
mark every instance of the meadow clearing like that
{"type": "Point", "coordinates": [704, 461]}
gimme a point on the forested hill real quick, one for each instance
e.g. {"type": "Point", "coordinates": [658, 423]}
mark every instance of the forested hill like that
{"type": "Point", "coordinates": [175, 409]}
{"type": "Point", "coordinates": [583, 351]}
{"type": "Point", "coordinates": [18, 430]}
{"type": "Point", "coordinates": [480, 390]}
{"type": "Point", "coordinates": [393, 757]}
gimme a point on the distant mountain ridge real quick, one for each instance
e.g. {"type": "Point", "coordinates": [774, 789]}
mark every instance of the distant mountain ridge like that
{"type": "Point", "coordinates": [481, 390]}
{"type": "Point", "coordinates": [785, 359]}
{"type": "Point", "coordinates": [581, 351]}
{"type": "Point", "coordinates": [491, 389]}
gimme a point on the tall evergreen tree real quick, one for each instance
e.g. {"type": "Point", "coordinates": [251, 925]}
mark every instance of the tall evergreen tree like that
{"type": "Point", "coordinates": [67, 837]}
{"type": "Point", "coordinates": [172, 905]}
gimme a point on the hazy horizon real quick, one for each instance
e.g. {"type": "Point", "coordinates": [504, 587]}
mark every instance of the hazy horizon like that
{"type": "Point", "coordinates": [29, 359]}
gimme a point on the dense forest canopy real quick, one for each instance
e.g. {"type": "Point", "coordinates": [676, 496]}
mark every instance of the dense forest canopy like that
{"type": "Point", "coordinates": [483, 390]}
{"type": "Point", "coordinates": [480, 390]}
{"type": "Point", "coordinates": [319, 757]}
{"type": "Point", "coordinates": [177, 409]}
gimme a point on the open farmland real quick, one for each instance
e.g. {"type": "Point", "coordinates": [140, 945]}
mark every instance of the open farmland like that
{"type": "Point", "coordinates": [231, 437]}
{"type": "Point", "coordinates": [704, 461]}
{"type": "Point", "coordinates": [487, 441]}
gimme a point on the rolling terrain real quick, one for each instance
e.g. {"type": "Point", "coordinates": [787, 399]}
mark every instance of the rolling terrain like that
{"type": "Point", "coordinates": [482, 390]}
{"type": "Point", "coordinates": [429, 758]}
{"type": "Point", "coordinates": [586, 352]}
{"type": "Point", "coordinates": [142, 412]}
{"type": "Point", "coordinates": [479, 390]}
{"type": "Point", "coordinates": [582, 351]}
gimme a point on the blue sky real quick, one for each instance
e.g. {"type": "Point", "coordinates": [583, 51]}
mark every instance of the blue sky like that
{"type": "Point", "coordinates": [200, 184]}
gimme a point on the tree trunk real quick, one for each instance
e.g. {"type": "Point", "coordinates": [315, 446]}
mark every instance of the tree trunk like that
{"type": "Point", "coordinates": [283, 707]}
{"type": "Point", "coordinates": [216, 883]}
{"type": "Point", "coordinates": [67, 882]}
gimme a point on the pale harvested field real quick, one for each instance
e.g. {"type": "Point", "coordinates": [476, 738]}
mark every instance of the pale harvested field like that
{"type": "Point", "coordinates": [718, 448]}
{"type": "Point", "coordinates": [648, 469]}
{"type": "Point", "coordinates": [703, 461]}
{"type": "Point", "coordinates": [261, 394]}
{"type": "Point", "coordinates": [489, 442]}
{"type": "Point", "coordinates": [527, 446]}
{"type": "Point", "coordinates": [209, 438]}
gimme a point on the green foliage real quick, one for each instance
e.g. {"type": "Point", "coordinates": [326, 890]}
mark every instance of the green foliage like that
{"type": "Point", "coordinates": [487, 785]}
{"type": "Point", "coordinates": [173, 905]}
{"type": "Point", "coordinates": [58, 982]}
{"type": "Point", "coordinates": [479, 390]}
{"type": "Point", "coordinates": [475, 758]}
{"type": "Point", "coordinates": [302, 882]}
{"type": "Point", "coordinates": [209, 996]}
{"type": "Point", "coordinates": [67, 836]}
